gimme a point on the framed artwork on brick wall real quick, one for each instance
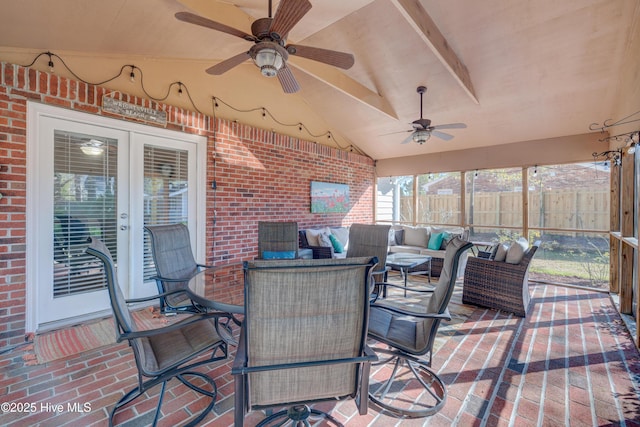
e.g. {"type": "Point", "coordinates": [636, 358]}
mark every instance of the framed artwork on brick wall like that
{"type": "Point", "coordinates": [327, 197]}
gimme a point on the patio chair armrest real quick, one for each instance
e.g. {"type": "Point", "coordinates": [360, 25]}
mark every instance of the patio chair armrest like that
{"type": "Point", "coordinates": [393, 285]}
{"type": "Point", "coordinates": [166, 279]}
{"type": "Point", "coordinates": [197, 317]}
{"type": "Point", "coordinates": [371, 355]}
{"type": "Point", "coordinates": [227, 308]}
{"type": "Point", "coordinates": [205, 266]}
{"type": "Point", "coordinates": [157, 296]}
{"type": "Point", "coordinates": [444, 315]}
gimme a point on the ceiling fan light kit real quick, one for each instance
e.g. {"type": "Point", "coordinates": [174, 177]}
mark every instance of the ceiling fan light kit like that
{"type": "Point", "coordinates": [421, 136]}
{"type": "Point", "coordinates": [269, 57]}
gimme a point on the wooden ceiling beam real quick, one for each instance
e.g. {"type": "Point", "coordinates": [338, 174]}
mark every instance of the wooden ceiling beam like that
{"type": "Point", "coordinates": [428, 31]}
{"type": "Point", "coordinates": [340, 81]}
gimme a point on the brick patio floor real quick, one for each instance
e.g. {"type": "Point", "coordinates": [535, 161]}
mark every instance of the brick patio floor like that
{"type": "Point", "coordinates": [570, 362]}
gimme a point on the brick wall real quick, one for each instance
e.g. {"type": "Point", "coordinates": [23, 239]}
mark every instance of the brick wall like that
{"type": "Point", "coordinates": [260, 175]}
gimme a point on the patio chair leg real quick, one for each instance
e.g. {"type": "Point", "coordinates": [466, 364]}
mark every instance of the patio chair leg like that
{"type": "Point", "coordinates": [388, 393]}
{"type": "Point", "coordinates": [138, 391]}
{"type": "Point", "coordinates": [298, 415]}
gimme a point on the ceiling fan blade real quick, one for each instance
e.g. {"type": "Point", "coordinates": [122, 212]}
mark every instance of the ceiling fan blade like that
{"type": "Point", "coordinates": [442, 135]}
{"type": "Point", "coordinates": [287, 16]}
{"type": "Point", "coordinates": [408, 139]}
{"type": "Point", "coordinates": [227, 64]}
{"type": "Point", "coordinates": [332, 57]}
{"type": "Point", "coordinates": [451, 126]}
{"type": "Point", "coordinates": [287, 80]}
{"type": "Point", "coordinates": [192, 18]}
{"type": "Point", "coordinates": [397, 132]}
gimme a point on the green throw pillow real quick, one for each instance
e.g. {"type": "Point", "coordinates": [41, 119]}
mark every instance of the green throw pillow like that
{"type": "Point", "coordinates": [337, 246]}
{"type": "Point", "coordinates": [435, 241]}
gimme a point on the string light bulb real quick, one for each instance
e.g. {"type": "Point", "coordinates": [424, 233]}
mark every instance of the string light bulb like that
{"type": "Point", "coordinates": [51, 69]}
{"type": "Point", "coordinates": [179, 88]}
{"type": "Point", "coordinates": [264, 114]}
{"type": "Point", "coordinates": [132, 75]}
{"type": "Point", "coordinates": [535, 171]}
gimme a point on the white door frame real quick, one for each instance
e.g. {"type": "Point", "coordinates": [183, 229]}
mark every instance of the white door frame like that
{"type": "Point", "coordinates": [35, 111]}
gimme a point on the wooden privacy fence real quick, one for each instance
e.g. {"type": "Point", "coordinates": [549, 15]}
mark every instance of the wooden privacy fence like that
{"type": "Point", "coordinates": [558, 209]}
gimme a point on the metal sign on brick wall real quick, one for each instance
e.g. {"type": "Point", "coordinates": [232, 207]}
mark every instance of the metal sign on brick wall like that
{"type": "Point", "coordinates": [133, 111]}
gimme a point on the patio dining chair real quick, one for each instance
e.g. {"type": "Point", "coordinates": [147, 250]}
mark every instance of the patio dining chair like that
{"type": "Point", "coordinates": [407, 333]}
{"type": "Point", "coordinates": [371, 240]}
{"type": "Point", "coordinates": [277, 240]}
{"type": "Point", "coordinates": [175, 264]}
{"type": "Point", "coordinates": [166, 352]}
{"type": "Point", "coordinates": [303, 339]}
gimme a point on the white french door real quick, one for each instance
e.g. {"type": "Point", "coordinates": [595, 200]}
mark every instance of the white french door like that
{"type": "Point", "coordinates": [95, 177]}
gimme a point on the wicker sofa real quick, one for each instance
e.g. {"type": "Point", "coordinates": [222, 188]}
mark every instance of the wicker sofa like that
{"type": "Point", "coordinates": [497, 284]}
{"type": "Point", "coordinates": [420, 240]}
{"type": "Point", "coordinates": [336, 248]}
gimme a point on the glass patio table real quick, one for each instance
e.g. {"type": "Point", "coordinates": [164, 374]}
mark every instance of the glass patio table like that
{"type": "Point", "coordinates": [407, 261]}
{"type": "Point", "coordinates": [202, 290]}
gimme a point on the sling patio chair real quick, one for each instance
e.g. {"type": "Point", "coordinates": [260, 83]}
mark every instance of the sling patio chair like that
{"type": "Point", "coordinates": [371, 240]}
{"type": "Point", "coordinates": [175, 264]}
{"type": "Point", "coordinates": [303, 339]}
{"type": "Point", "coordinates": [406, 385]}
{"type": "Point", "coordinates": [166, 352]}
{"type": "Point", "coordinates": [277, 240]}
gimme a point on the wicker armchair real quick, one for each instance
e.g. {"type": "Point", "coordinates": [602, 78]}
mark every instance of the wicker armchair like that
{"type": "Point", "coordinates": [499, 285]}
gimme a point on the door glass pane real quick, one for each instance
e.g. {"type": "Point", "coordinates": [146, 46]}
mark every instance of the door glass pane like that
{"type": "Point", "coordinates": [84, 206]}
{"type": "Point", "coordinates": [165, 193]}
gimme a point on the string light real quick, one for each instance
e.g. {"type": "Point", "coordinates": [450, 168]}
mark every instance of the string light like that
{"type": "Point", "coordinates": [535, 171]}
{"type": "Point", "coordinates": [136, 73]}
{"type": "Point", "coordinates": [301, 126]}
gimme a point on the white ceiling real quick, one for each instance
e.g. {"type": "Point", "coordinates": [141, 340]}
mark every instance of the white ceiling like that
{"type": "Point", "coordinates": [538, 69]}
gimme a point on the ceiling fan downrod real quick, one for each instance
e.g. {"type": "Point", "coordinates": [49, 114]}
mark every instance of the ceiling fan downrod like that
{"type": "Point", "coordinates": [421, 90]}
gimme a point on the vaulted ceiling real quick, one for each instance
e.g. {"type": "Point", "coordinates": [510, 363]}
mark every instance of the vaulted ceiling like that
{"type": "Point", "coordinates": [511, 70]}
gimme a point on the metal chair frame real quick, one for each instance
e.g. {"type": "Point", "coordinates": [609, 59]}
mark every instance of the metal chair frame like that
{"type": "Point", "coordinates": [298, 411]}
{"type": "Point", "coordinates": [181, 368]}
{"type": "Point", "coordinates": [385, 393]}
{"type": "Point", "coordinates": [164, 280]}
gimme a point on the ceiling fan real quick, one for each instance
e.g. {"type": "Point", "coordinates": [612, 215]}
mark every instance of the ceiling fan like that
{"type": "Point", "coordinates": [422, 129]}
{"type": "Point", "coordinates": [270, 51]}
